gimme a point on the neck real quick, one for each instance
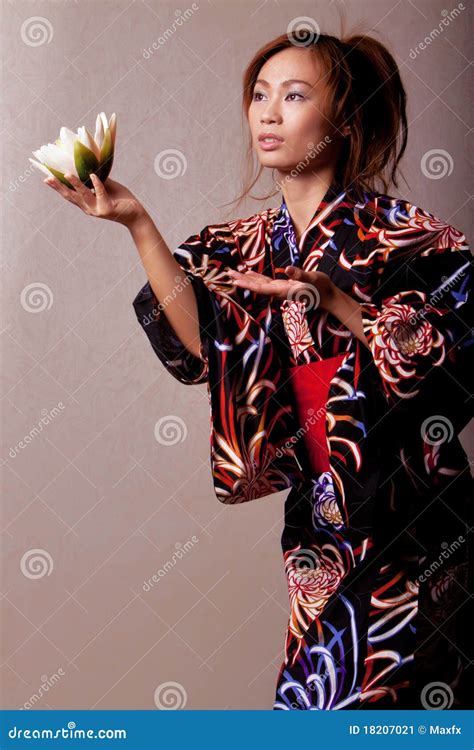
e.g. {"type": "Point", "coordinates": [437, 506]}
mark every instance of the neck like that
{"type": "Point", "coordinates": [303, 194]}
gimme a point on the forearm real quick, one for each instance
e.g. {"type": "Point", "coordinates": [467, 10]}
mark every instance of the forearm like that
{"type": "Point", "coordinates": [170, 285]}
{"type": "Point", "coordinates": [347, 310]}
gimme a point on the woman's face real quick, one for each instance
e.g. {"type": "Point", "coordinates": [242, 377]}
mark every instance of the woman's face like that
{"type": "Point", "coordinates": [293, 110]}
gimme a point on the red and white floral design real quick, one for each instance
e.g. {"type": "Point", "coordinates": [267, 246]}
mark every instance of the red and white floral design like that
{"type": "Point", "coordinates": [296, 325]}
{"type": "Point", "coordinates": [313, 576]}
{"type": "Point", "coordinates": [397, 334]}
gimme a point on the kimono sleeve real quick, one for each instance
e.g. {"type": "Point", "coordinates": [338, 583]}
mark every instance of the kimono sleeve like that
{"type": "Point", "coordinates": [204, 257]}
{"type": "Point", "coordinates": [419, 323]}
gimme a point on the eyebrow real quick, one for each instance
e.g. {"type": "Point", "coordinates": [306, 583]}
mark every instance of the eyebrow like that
{"type": "Point", "coordinates": [285, 83]}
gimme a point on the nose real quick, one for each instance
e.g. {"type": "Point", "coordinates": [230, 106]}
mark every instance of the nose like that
{"type": "Point", "coordinates": [270, 115]}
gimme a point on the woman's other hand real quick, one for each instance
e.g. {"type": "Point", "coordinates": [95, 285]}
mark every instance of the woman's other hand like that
{"type": "Point", "coordinates": [314, 286]}
{"type": "Point", "coordinates": [110, 200]}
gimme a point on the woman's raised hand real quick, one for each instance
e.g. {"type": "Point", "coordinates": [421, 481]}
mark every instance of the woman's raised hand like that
{"type": "Point", "coordinates": [110, 200]}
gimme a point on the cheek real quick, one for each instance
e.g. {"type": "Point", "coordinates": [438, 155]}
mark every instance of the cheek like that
{"type": "Point", "coordinates": [252, 118]}
{"type": "Point", "coordinates": [305, 126]}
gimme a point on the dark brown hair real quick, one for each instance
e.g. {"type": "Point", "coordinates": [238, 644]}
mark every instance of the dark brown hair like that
{"type": "Point", "coordinates": [364, 90]}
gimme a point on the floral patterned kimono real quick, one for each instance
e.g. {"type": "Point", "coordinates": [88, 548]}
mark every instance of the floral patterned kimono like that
{"type": "Point", "coordinates": [375, 538]}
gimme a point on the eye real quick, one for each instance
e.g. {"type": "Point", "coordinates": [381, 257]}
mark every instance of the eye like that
{"type": "Point", "coordinates": [295, 93]}
{"type": "Point", "coordinates": [255, 94]}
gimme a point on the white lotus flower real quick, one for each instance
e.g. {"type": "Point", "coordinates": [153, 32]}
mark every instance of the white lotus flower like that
{"type": "Point", "coordinates": [79, 153]}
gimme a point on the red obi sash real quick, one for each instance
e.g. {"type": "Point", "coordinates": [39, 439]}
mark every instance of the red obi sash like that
{"type": "Point", "coordinates": [310, 383]}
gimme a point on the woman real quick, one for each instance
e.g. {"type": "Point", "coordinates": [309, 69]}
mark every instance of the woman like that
{"type": "Point", "coordinates": [333, 334]}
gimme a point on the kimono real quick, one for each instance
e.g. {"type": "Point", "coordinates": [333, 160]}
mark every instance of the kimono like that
{"type": "Point", "coordinates": [365, 438]}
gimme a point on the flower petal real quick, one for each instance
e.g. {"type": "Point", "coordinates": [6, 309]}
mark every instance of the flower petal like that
{"type": "Point", "coordinates": [86, 138]}
{"type": "Point", "coordinates": [66, 141]}
{"type": "Point", "coordinates": [99, 132]}
{"type": "Point", "coordinates": [85, 161]}
{"type": "Point", "coordinates": [113, 127]}
{"type": "Point", "coordinates": [105, 124]}
{"type": "Point", "coordinates": [40, 166]}
{"type": "Point", "coordinates": [106, 156]}
{"type": "Point", "coordinates": [56, 157]}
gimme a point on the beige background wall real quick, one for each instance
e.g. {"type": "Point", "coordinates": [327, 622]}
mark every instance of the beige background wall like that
{"type": "Point", "coordinates": [105, 504]}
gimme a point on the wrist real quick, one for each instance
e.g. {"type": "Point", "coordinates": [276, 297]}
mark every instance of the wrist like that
{"type": "Point", "coordinates": [348, 311]}
{"type": "Point", "coordinates": [332, 298]}
{"type": "Point", "coordinates": [141, 222]}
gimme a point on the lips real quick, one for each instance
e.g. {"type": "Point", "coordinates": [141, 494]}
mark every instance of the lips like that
{"type": "Point", "coordinates": [269, 137]}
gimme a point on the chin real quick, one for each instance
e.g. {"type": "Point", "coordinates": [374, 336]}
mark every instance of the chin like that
{"type": "Point", "coordinates": [274, 163]}
{"type": "Point", "coordinates": [273, 160]}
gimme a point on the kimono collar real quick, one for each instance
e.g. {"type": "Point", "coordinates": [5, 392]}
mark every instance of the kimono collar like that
{"type": "Point", "coordinates": [284, 237]}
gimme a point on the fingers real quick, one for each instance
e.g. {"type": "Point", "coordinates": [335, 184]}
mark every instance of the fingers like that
{"type": "Point", "coordinates": [246, 279]}
{"type": "Point", "coordinates": [307, 277]}
{"type": "Point", "coordinates": [101, 194]}
{"type": "Point", "coordinates": [246, 274]}
{"type": "Point", "coordinates": [79, 194]}
{"type": "Point", "coordinates": [79, 187]}
{"type": "Point", "coordinates": [316, 286]}
{"type": "Point", "coordinates": [253, 273]}
{"type": "Point", "coordinates": [60, 188]}
{"type": "Point", "coordinates": [257, 282]}
{"type": "Point", "coordinates": [297, 273]}
{"type": "Point", "coordinates": [99, 186]}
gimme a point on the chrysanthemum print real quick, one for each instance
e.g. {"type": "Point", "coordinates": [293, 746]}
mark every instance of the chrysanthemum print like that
{"type": "Point", "coordinates": [379, 508]}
